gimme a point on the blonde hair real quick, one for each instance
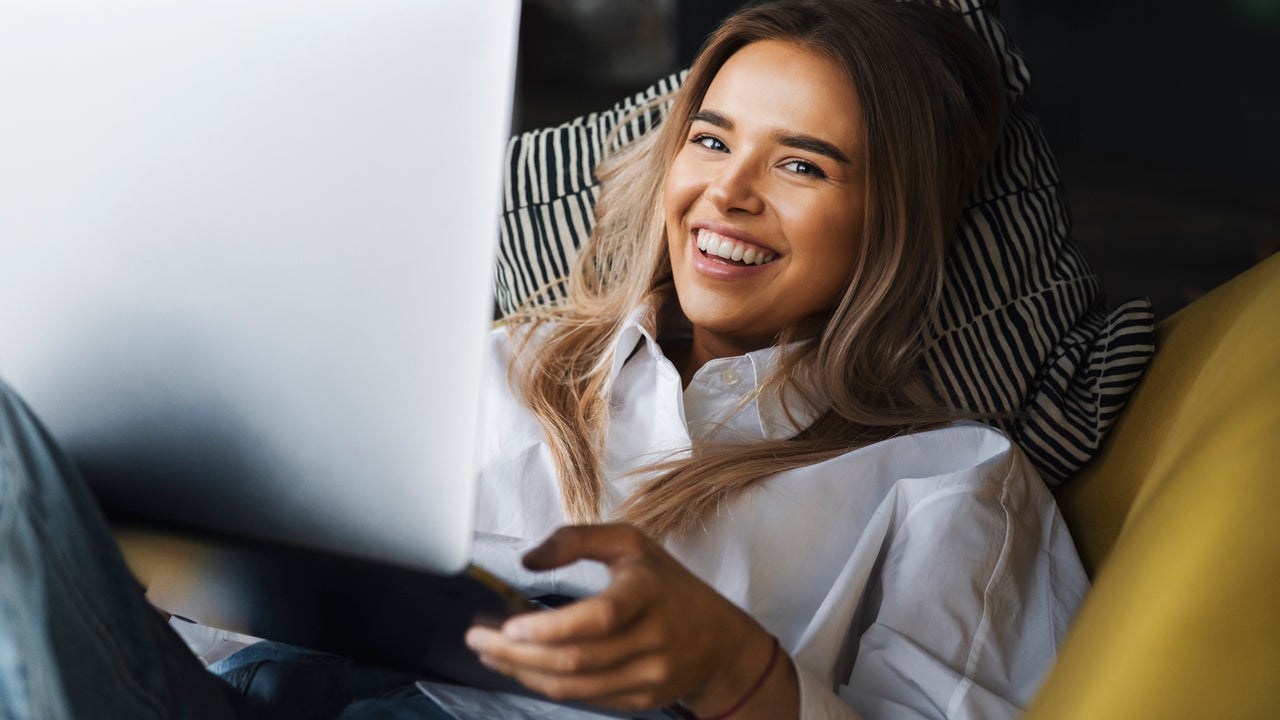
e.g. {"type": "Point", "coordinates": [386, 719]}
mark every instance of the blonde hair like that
{"type": "Point", "coordinates": [932, 106]}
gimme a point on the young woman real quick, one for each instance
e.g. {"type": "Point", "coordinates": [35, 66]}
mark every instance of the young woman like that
{"type": "Point", "coordinates": [727, 416]}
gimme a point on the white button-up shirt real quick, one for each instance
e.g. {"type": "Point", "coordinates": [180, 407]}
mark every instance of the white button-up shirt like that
{"type": "Point", "coordinates": [928, 575]}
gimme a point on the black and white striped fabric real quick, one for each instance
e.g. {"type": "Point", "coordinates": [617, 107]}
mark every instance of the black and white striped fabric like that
{"type": "Point", "coordinates": [1020, 333]}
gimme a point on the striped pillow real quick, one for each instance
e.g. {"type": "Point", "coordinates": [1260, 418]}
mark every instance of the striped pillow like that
{"type": "Point", "coordinates": [1020, 332]}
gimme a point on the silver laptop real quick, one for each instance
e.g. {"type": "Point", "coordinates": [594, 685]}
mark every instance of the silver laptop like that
{"type": "Point", "coordinates": [246, 253]}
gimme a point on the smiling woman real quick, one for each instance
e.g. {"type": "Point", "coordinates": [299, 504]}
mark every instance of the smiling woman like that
{"type": "Point", "coordinates": [734, 374]}
{"type": "Point", "coordinates": [838, 140]}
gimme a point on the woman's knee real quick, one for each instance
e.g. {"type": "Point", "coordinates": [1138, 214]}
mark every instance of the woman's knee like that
{"type": "Point", "coordinates": [286, 681]}
{"type": "Point", "coordinates": [23, 440]}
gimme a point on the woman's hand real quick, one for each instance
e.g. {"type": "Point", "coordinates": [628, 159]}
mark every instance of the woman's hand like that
{"type": "Point", "coordinates": [656, 636]}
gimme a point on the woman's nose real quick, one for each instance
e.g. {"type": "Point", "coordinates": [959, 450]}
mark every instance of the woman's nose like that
{"type": "Point", "coordinates": [736, 188]}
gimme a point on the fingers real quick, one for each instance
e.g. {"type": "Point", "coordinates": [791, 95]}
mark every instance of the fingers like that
{"type": "Point", "coordinates": [610, 544]}
{"type": "Point", "coordinates": [612, 611]}
{"type": "Point", "coordinates": [637, 683]}
{"type": "Point", "coordinates": [587, 657]}
{"type": "Point", "coordinates": [619, 648]}
{"type": "Point", "coordinates": [626, 549]}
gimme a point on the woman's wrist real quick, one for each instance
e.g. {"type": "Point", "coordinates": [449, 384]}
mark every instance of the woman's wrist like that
{"type": "Point", "coordinates": [757, 680]}
{"type": "Point", "coordinates": [751, 691]}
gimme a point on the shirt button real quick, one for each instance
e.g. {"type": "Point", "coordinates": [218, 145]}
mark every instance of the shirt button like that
{"type": "Point", "coordinates": [730, 377]}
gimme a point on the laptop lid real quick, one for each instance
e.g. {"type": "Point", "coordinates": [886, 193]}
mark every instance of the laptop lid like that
{"type": "Point", "coordinates": [246, 252]}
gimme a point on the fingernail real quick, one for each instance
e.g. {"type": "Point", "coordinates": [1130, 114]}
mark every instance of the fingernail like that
{"type": "Point", "coordinates": [488, 661]}
{"type": "Point", "coordinates": [476, 640]}
{"type": "Point", "coordinates": [518, 630]}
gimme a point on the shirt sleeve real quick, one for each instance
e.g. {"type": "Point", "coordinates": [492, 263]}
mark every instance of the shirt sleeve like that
{"type": "Point", "coordinates": [976, 585]}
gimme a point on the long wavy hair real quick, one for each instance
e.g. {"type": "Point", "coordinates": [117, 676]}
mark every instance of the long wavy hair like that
{"type": "Point", "coordinates": [933, 107]}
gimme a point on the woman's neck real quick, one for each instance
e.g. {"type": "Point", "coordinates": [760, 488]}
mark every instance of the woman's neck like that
{"type": "Point", "coordinates": [689, 348]}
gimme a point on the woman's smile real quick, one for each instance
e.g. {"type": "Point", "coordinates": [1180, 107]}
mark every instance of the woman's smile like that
{"type": "Point", "coordinates": [731, 248]}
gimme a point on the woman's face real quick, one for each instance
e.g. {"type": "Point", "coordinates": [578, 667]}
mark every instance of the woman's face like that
{"type": "Point", "coordinates": [764, 201]}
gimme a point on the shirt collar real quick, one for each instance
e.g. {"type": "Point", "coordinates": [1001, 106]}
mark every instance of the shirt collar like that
{"type": "Point", "coordinates": [765, 417]}
{"type": "Point", "coordinates": [640, 326]}
{"type": "Point", "coordinates": [770, 414]}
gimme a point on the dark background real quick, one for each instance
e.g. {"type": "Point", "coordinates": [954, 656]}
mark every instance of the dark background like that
{"type": "Point", "coordinates": [1165, 116]}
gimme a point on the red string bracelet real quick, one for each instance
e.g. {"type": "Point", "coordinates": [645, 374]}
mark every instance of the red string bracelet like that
{"type": "Point", "coordinates": [755, 687]}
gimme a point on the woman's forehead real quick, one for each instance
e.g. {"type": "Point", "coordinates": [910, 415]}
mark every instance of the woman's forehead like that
{"type": "Point", "coordinates": [777, 86]}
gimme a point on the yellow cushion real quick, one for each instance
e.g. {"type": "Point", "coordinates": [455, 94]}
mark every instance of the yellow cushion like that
{"type": "Point", "coordinates": [1180, 517]}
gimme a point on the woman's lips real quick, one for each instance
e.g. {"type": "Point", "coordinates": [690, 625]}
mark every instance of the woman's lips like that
{"type": "Point", "coordinates": [714, 245]}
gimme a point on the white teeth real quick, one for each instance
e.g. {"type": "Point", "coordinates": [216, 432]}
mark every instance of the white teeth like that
{"type": "Point", "coordinates": [718, 245]}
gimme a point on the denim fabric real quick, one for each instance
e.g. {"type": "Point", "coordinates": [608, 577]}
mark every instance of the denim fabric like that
{"type": "Point", "coordinates": [79, 641]}
{"type": "Point", "coordinates": [286, 682]}
{"type": "Point", "coordinates": [77, 637]}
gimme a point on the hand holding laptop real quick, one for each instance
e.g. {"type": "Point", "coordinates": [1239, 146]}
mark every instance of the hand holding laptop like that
{"type": "Point", "coordinates": [656, 636]}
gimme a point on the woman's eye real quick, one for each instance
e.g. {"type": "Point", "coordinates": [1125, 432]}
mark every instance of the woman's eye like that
{"type": "Point", "coordinates": [709, 142]}
{"type": "Point", "coordinates": [804, 167]}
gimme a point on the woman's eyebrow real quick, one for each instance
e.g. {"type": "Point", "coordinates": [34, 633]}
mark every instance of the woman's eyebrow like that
{"type": "Point", "coordinates": [712, 117]}
{"type": "Point", "coordinates": [793, 140]}
{"type": "Point", "coordinates": [813, 145]}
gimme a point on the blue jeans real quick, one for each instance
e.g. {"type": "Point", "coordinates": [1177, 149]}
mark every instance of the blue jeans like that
{"type": "Point", "coordinates": [79, 640]}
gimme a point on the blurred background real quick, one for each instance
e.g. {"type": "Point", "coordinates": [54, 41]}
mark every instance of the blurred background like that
{"type": "Point", "coordinates": [1165, 116]}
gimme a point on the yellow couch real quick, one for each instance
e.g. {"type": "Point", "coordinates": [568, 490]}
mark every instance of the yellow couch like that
{"type": "Point", "coordinates": [1177, 521]}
